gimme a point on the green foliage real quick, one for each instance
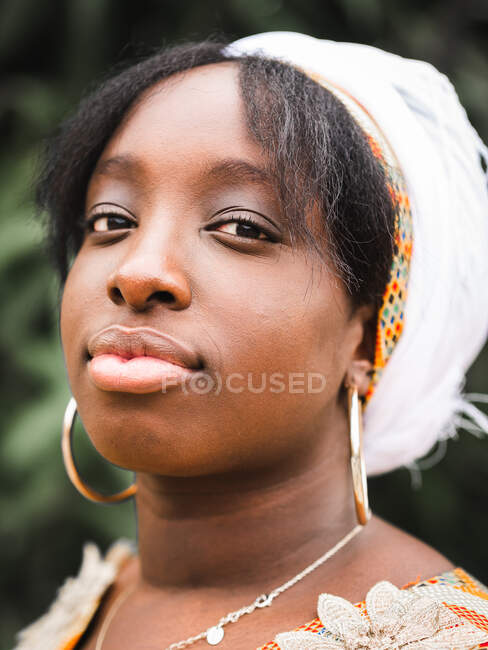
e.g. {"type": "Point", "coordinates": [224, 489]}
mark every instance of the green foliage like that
{"type": "Point", "coordinates": [49, 51]}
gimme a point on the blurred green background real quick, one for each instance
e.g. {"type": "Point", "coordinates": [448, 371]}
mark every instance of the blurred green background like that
{"type": "Point", "coordinates": [49, 51]}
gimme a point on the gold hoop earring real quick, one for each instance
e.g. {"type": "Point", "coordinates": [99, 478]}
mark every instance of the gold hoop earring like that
{"type": "Point", "coordinates": [66, 446]}
{"type": "Point", "coordinates": [359, 478]}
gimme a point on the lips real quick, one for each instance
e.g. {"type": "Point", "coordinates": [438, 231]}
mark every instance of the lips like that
{"type": "Point", "coordinates": [138, 360]}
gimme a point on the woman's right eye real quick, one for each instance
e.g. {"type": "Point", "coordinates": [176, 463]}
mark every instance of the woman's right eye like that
{"type": "Point", "coordinates": [107, 222]}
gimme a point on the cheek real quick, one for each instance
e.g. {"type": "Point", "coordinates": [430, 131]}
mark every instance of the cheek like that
{"type": "Point", "coordinates": [82, 298]}
{"type": "Point", "coordinates": [68, 317]}
{"type": "Point", "coordinates": [288, 324]}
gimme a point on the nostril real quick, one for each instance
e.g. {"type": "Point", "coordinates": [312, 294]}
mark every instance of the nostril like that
{"type": "Point", "coordinates": [116, 295]}
{"type": "Point", "coordinates": [162, 296]}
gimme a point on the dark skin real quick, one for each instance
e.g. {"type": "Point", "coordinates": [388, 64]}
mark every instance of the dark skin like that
{"type": "Point", "coordinates": [237, 492]}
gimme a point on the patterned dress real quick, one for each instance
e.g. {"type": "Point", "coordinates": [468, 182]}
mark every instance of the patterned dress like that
{"type": "Point", "coordinates": [448, 611]}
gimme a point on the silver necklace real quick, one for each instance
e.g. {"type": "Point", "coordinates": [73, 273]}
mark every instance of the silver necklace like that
{"type": "Point", "coordinates": [215, 634]}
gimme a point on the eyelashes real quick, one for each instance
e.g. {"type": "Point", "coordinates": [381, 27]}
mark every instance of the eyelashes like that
{"type": "Point", "coordinates": [106, 222]}
{"type": "Point", "coordinates": [245, 225]}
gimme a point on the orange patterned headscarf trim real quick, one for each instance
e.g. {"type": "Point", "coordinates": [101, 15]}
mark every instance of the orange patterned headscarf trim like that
{"type": "Point", "coordinates": [391, 314]}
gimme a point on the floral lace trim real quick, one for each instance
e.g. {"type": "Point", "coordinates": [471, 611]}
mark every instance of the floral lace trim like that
{"type": "Point", "coordinates": [392, 619]}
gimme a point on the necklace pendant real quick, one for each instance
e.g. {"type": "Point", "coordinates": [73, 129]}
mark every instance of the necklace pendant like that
{"type": "Point", "coordinates": [215, 635]}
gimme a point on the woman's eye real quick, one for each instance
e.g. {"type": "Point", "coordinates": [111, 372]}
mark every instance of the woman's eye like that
{"type": "Point", "coordinates": [107, 222]}
{"type": "Point", "coordinates": [244, 227]}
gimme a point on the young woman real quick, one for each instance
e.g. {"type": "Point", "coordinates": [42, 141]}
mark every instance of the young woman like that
{"type": "Point", "coordinates": [258, 245]}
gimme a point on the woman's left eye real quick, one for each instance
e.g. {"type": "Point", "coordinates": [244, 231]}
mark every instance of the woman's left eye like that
{"type": "Point", "coordinates": [106, 222]}
{"type": "Point", "coordinates": [244, 227]}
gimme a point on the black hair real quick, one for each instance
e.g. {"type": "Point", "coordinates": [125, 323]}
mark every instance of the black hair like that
{"type": "Point", "coordinates": [318, 155]}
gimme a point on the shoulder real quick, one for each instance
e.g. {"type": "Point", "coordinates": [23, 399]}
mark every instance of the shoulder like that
{"type": "Point", "coordinates": [77, 599]}
{"type": "Point", "coordinates": [380, 552]}
{"type": "Point", "coordinates": [399, 556]}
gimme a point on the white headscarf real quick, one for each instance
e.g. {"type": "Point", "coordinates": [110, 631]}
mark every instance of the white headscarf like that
{"type": "Point", "coordinates": [419, 398]}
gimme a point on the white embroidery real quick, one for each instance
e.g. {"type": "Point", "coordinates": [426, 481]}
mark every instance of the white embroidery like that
{"type": "Point", "coordinates": [396, 619]}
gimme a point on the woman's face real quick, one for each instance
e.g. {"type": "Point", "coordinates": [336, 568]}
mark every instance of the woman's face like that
{"type": "Point", "coordinates": [164, 254]}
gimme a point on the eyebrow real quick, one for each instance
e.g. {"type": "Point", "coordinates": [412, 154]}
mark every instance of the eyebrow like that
{"type": "Point", "coordinates": [235, 171]}
{"type": "Point", "coordinates": [123, 165]}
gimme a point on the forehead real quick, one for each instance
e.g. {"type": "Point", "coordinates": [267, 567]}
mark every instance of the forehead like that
{"type": "Point", "coordinates": [199, 111]}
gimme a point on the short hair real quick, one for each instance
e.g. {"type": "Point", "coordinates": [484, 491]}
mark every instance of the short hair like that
{"type": "Point", "coordinates": [318, 155]}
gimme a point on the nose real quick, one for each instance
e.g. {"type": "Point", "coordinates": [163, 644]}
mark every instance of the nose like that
{"type": "Point", "coordinates": [146, 278]}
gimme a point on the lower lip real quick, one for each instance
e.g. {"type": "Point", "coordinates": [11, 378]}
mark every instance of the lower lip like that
{"type": "Point", "coordinates": [137, 375]}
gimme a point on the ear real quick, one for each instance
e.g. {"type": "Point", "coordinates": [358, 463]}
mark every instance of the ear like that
{"type": "Point", "coordinates": [361, 365]}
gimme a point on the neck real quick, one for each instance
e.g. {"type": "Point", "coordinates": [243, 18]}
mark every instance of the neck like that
{"type": "Point", "coordinates": [244, 530]}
